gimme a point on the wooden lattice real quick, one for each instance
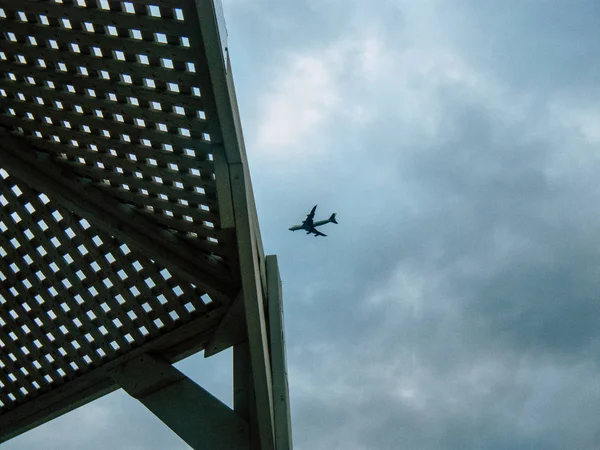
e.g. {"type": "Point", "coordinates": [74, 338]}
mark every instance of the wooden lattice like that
{"type": "Point", "coordinates": [73, 297]}
{"type": "Point", "coordinates": [118, 96]}
{"type": "Point", "coordinates": [112, 91]}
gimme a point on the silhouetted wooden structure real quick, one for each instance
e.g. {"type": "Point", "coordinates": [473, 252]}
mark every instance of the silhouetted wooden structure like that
{"type": "Point", "coordinates": [128, 232]}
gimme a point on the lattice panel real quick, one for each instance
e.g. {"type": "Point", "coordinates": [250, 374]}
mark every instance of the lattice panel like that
{"type": "Point", "coordinates": [113, 91]}
{"type": "Point", "coordinates": [72, 297]}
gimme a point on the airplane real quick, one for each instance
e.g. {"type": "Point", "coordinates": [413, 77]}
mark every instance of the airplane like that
{"type": "Point", "coordinates": [310, 226]}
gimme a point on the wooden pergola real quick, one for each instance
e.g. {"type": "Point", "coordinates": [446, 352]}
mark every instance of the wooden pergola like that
{"type": "Point", "coordinates": [128, 232]}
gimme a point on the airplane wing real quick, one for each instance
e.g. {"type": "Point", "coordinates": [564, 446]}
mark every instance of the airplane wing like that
{"type": "Point", "coordinates": [310, 216]}
{"type": "Point", "coordinates": [317, 232]}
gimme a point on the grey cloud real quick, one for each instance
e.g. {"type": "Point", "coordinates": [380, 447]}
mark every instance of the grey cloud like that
{"type": "Point", "coordinates": [509, 242]}
{"type": "Point", "coordinates": [538, 46]}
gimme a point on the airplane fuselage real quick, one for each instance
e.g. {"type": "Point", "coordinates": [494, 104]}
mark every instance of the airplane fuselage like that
{"type": "Point", "coordinates": [307, 227]}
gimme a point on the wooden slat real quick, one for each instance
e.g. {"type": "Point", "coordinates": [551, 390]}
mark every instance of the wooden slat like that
{"type": "Point", "coordinates": [93, 64]}
{"type": "Point", "coordinates": [95, 125]}
{"type": "Point", "coordinates": [103, 40]}
{"type": "Point", "coordinates": [122, 90]}
{"type": "Point", "coordinates": [107, 107]}
{"type": "Point", "coordinates": [99, 16]}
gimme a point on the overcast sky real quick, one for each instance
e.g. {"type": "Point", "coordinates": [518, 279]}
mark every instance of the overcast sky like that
{"type": "Point", "coordinates": [457, 303]}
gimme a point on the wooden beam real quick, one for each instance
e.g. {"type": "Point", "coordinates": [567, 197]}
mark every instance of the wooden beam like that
{"type": "Point", "coordinates": [200, 419]}
{"type": "Point", "coordinates": [87, 392]}
{"type": "Point", "coordinates": [21, 160]}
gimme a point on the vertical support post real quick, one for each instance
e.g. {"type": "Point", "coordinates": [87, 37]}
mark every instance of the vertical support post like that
{"type": "Point", "coordinates": [250, 250]}
{"type": "Point", "coordinates": [254, 304]}
{"type": "Point", "coordinates": [281, 399]}
{"type": "Point", "coordinates": [242, 380]}
{"type": "Point", "coordinates": [243, 393]}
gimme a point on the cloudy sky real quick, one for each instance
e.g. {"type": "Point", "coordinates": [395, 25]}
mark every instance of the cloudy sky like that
{"type": "Point", "coordinates": [457, 303]}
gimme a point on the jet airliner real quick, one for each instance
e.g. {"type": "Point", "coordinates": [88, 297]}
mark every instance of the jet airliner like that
{"type": "Point", "coordinates": [311, 226]}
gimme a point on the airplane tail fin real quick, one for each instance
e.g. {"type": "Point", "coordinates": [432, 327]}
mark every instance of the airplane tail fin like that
{"type": "Point", "coordinates": [332, 218]}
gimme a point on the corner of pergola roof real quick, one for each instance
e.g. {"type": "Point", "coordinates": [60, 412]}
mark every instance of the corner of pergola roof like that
{"type": "Point", "coordinates": [128, 231]}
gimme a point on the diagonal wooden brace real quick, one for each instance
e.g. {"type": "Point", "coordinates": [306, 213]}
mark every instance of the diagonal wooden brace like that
{"type": "Point", "coordinates": [200, 419]}
{"type": "Point", "coordinates": [21, 160]}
